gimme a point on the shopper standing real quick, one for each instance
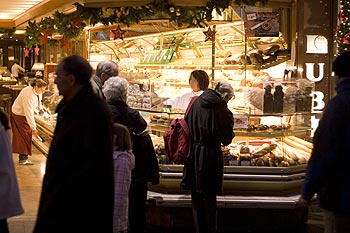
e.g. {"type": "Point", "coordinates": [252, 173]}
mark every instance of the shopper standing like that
{"type": "Point", "coordinates": [328, 172]}
{"type": "Point", "coordinates": [17, 72]}
{"type": "Point", "coordinates": [10, 202]}
{"type": "Point", "coordinates": [146, 165]}
{"type": "Point", "coordinates": [211, 125]}
{"type": "Point", "coordinates": [104, 70]}
{"type": "Point", "coordinates": [78, 186]}
{"type": "Point", "coordinates": [124, 162]}
{"type": "Point", "coordinates": [199, 81]}
{"type": "Point", "coordinates": [22, 119]}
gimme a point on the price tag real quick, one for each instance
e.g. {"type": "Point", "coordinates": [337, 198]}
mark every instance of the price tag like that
{"type": "Point", "coordinates": [241, 123]}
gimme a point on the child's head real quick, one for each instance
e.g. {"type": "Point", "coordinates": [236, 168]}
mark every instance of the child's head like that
{"type": "Point", "coordinates": [121, 137]}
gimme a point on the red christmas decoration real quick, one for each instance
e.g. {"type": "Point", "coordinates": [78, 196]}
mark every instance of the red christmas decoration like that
{"type": "Point", "coordinates": [342, 16]}
{"type": "Point", "coordinates": [64, 42]}
{"type": "Point", "coordinates": [340, 40]}
{"type": "Point", "coordinates": [76, 22]}
{"type": "Point", "coordinates": [26, 52]}
{"type": "Point", "coordinates": [36, 50]}
{"type": "Point", "coordinates": [118, 33]}
{"type": "Point", "coordinates": [337, 29]}
{"type": "Point", "coordinates": [43, 40]}
{"type": "Point", "coordinates": [209, 35]}
{"type": "Point", "coordinates": [46, 35]}
{"type": "Point", "coordinates": [347, 38]}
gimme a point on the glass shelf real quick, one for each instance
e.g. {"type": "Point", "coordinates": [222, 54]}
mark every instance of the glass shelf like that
{"type": "Point", "coordinates": [280, 133]}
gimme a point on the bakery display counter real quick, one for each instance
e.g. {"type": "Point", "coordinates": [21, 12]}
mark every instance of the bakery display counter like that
{"type": "Point", "coordinates": [7, 81]}
{"type": "Point", "coordinates": [11, 88]}
{"type": "Point", "coordinates": [254, 192]}
{"type": "Point", "coordinates": [45, 127]}
{"type": "Point", "coordinates": [266, 192]}
{"type": "Point", "coordinates": [264, 168]}
{"type": "Point", "coordinates": [6, 95]}
{"type": "Point", "coordinates": [240, 180]}
{"type": "Point", "coordinates": [235, 212]}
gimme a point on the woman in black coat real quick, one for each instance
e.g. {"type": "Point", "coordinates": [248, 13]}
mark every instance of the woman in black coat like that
{"type": "Point", "coordinates": [211, 124]}
{"type": "Point", "coordinates": [146, 164]}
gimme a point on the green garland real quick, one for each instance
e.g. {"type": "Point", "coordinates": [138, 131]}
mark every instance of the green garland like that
{"type": "Point", "coordinates": [8, 31]}
{"type": "Point", "coordinates": [72, 25]}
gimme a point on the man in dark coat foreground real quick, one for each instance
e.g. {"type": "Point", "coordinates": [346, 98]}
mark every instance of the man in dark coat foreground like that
{"type": "Point", "coordinates": [78, 187]}
{"type": "Point", "coordinates": [328, 172]}
{"type": "Point", "coordinates": [211, 124]}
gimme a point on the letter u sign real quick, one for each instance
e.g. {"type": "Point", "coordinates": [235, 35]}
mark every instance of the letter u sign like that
{"type": "Point", "coordinates": [310, 74]}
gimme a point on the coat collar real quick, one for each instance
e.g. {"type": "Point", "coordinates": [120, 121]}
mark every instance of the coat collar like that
{"type": "Point", "coordinates": [64, 105]}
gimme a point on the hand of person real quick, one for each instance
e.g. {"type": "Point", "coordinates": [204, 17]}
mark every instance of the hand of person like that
{"type": "Point", "coordinates": [35, 133]}
{"type": "Point", "coordinates": [303, 203]}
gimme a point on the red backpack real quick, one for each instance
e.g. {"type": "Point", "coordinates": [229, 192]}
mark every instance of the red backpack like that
{"type": "Point", "coordinates": [177, 138]}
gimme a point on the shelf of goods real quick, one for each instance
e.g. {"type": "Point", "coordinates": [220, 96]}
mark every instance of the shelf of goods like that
{"type": "Point", "coordinates": [165, 60]}
{"type": "Point", "coordinates": [265, 158]}
{"type": "Point", "coordinates": [264, 168]}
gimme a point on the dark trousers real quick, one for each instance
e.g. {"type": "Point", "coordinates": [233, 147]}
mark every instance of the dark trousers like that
{"type": "Point", "coordinates": [336, 222]}
{"type": "Point", "coordinates": [204, 212]}
{"type": "Point", "coordinates": [4, 226]}
{"type": "Point", "coordinates": [137, 207]}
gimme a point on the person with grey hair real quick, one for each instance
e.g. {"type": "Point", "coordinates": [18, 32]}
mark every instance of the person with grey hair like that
{"type": "Point", "coordinates": [104, 70]}
{"type": "Point", "coordinates": [225, 90]}
{"type": "Point", "coordinates": [211, 125]}
{"type": "Point", "coordinates": [116, 88]}
{"type": "Point", "coordinates": [146, 168]}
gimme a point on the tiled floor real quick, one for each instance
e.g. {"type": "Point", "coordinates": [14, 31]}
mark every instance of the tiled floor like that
{"type": "Point", "coordinates": [29, 179]}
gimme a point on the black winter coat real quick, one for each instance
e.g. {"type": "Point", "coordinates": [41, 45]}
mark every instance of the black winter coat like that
{"type": "Point", "coordinates": [146, 164]}
{"type": "Point", "coordinates": [78, 187]}
{"type": "Point", "coordinates": [211, 124]}
{"type": "Point", "coordinates": [328, 172]}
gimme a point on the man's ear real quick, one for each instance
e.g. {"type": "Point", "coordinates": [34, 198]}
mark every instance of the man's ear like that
{"type": "Point", "coordinates": [71, 79]}
{"type": "Point", "coordinates": [104, 77]}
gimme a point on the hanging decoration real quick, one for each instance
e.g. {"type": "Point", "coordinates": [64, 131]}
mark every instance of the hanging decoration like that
{"type": "Point", "coordinates": [71, 25]}
{"type": "Point", "coordinates": [118, 33]}
{"type": "Point", "coordinates": [7, 32]}
{"type": "Point", "coordinates": [76, 23]}
{"type": "Point", "coordinates": [342, 30]}
{"type": "Point", "coordinates": [26, 52]}
{"type": "Point", "coordinates": [45, 36]}
{"type": "Point", "coordinates": [33, 32]}
{"type": "Point", "coordinates": [64, 42]}
{"type": "Point", "coordinates": [36, 50]}
{"type": "Point", "coordinates": [209, 34]}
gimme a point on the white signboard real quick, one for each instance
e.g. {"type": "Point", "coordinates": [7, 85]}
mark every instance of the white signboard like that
{"type": "Point", "coordinates": [316, 44]}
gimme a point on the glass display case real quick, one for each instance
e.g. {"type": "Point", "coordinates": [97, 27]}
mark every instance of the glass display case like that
{"type": "Point", "coordinates": [264, 167]}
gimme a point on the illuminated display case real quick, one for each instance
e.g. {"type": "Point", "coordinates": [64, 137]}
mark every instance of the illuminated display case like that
{"type": "Point", "coordinates": [158, 65]}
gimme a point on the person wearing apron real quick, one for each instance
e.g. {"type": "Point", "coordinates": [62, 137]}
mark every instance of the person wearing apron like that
{"type": "Point", "coordinates": [22, 119]}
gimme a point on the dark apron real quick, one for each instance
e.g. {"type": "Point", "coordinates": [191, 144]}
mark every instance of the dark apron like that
{"type": "Point", "coordinates": [21, 135]}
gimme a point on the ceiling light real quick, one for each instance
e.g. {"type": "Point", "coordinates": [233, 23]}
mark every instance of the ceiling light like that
{"type": "Point", "coordinates": [20, 32]}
